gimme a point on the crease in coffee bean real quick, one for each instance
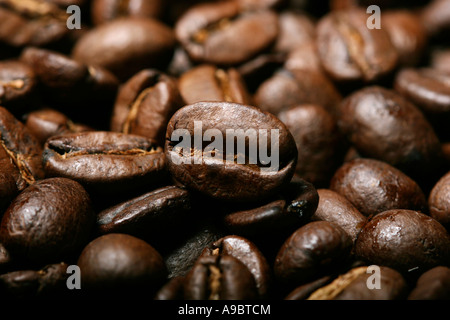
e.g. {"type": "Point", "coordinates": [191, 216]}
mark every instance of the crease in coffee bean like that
{"type": "Point", "coordinates": [201, 35]}
{"type": "Point", "coordinates": [19, 161]}
{"type": "Point", "coordinates": [223, 81]}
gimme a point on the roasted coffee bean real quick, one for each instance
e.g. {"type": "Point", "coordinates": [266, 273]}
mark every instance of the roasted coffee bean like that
{"type": "Point", "coordinates": [294, 207]}
{"type": "Point", "coordinates": [433, 284]}
{"type": "Point", "coordinates": [439, 201]}
{"type": "Point", "coordinates": [8, 189]}
{"type": "Point", "coordinates": [219, 278]}
{"type": "Point", "coordinates": [105, 161]}
{"type": "Point", "coordinates": [405, 240]}
{"type": "Point", "coordinates": [295, 30]}
{"type": "Point", "coordinates": [33, 22]}
{"type": "Point", "coordinates": [335, 208]}
{"type": "Point", "coordinates": [440, 59]}
{"type": "Point", "coordinates": [20, 151]}
{"type": "Point", "coordinates": [383, 125]}
{"type": "Point", "coordinates": [209, 83]}
{"type": "Point", "coordinates": [213, 32]}
{"type": "Point", "coordinates": [49, 220]}
{"type": "Point", "coordinates": [17, 84]}
{"type": "Point", "coordinates": [350, 51]}
{"type": "Point", "coordinates": [145, 104]}
{"type": "Point", "coordinates": [407, 34]}
{"type": "Point", "coordinates": [119, 265]}
{"type": "Point", "coordinates": [248, 253]}
{"type": "Point", "coordinates": [46, 123]}
{"type": "Point", "coordinates": [373, 186]}
{"type": "Point", "coordinates": [427, 88]}
{"type": "Point", "coordinates": [103, 11]}
{"type": "Point", "coordinates": [69, 81]}
{"type": "Point", "coordinates": [157, 212]}
{"type": "Point", "coordinates": [353, 285]}
{"type": "Point", "coordinates": [318, 142]}
{"type": "Point", "coordinates": [127, 45]}
{"type": "Point", "coordinates": [217, 170]}
{"type": "Point", "coordinates": [435, 17]}
{"type": "Point", "coordinates": [310, 251]}
{"type": "Point", "coordinates": [290, 88]}
{"type": "Point", "coordinates": [304, 57]}
{"type": "Point", "coordinates": [49, 282]}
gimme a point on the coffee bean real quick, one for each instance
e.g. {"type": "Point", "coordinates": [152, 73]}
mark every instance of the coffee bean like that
{"type": "Point", "coordinates": [310, 250]}
{"type": "Point", "coordinates": [294, 207]}
{"type": "Point", "coordinates": [219, 278]}
{"type": "Point", "coordinates": [438, 201]}
{"type": "Point", "coordinates": [220, 171]}
{"type": "Point", "coordinates": [209, 83]}
{"type": "Point", "coordinates": [405, 240]}
{"type": "Point", "coordinates": [103, 11]}
{"type": "Point", "coordinates": [20, 151]}
{"type": "Point", "coordinates": [119, 265]}
{"type": "Point", "coordinates": [131, 44]}
{"type": "Point", "coordinates": [318, 142]}
{"type": "Point", "coordinates": [295, 30]}
{"type": "Point", "coordinates": [435, 16]}
{"type": "Point", "coordinates": [49, 220]}
{"type": "Point", "coordinates": [17, 84]}
{"type": "Point", "coordinates": [428, 89]}
{"type": "Point", "coordinates": [305, 290]}
{"type": "Point", "coordinates": [290, 88]}
{"type": "Point", "coordinates": [33, 22]}
{"type": "Point", "coordinates": [145, 104]}
{"type": "Point", "coordinates": [172, 290]}
{"type": "Point", "coordinates": [433, 284]}
{"type": "Point", "coordinates": [350, 51]}
{"type": "Point", "coordinates": [103, 161]}
{"type": "Point", "coordinates": [353, 285]}
{"type": "Point", "coordinates": [336, 209]}
{"type": "Point", "coordinates": [248, 253]}
{"type": "Point", "coordinates": [223, 27]}
{"type": "Point", "coordinates": [158, 212]}
{"type": "Point", "coordinates": [407, 34]}
{"type": "Point", "coordinates": [389, 188]}
{"type": "Point", "coordinates": [383, 125]}
{"type": "Point", "coordinates": [46, 123]}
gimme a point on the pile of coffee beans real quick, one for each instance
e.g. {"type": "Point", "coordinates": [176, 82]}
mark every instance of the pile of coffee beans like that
{"type": "Point", "coordinates": [225, 150]}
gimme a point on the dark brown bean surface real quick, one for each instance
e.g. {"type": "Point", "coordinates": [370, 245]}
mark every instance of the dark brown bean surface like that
{"type": "Point", "coordinates": [383, 125]}
{"type": "Point", "coordinates": [405, 240]}
{"type": "Point", "coordinates": [103, 11]}
{"type": "Point", "coordinates": [350, 51]}
{"type": "Point", "coordinates": [312, 247]}
{"type": "Point", "coordinates": [17, 83]}
{"type": "Point", "coordinates": [103, 161]}
{"type": "Point", "coordinates": [125, 46]}
{"type": "Point", "coordinates": [120, 265]}
{"type": "Point", "coordinates": [433, 284]}
{"type": "Point", "coordinates": [374, 186]}
{"type": "Point", "coordinates": [50, 220]}
{"type": "Point", "coordinates": [335, 208]}
{"type": "Point", "coordinates": [145, 104]}
{"type": "Point", "coordinates": [219, 173]}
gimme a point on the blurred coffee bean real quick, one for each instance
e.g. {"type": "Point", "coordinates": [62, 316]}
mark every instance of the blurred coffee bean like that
{"type": "Point", "coordinates": [439, 201]}
{"type": "Point", "coordinates": [17, 84]}
{"type": "Point", "coordinates": [209, 83]}
{"type": "Point", "coordinates": [213, 32]}
{"type": "Point", "coordinates": [145, 104]}
{"type": "Point", "coordinates": [295, 29]}
{"type": "Point", "coordinates": [103, 11]}
{"type": "Point", "coordinates": [127, 45]}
